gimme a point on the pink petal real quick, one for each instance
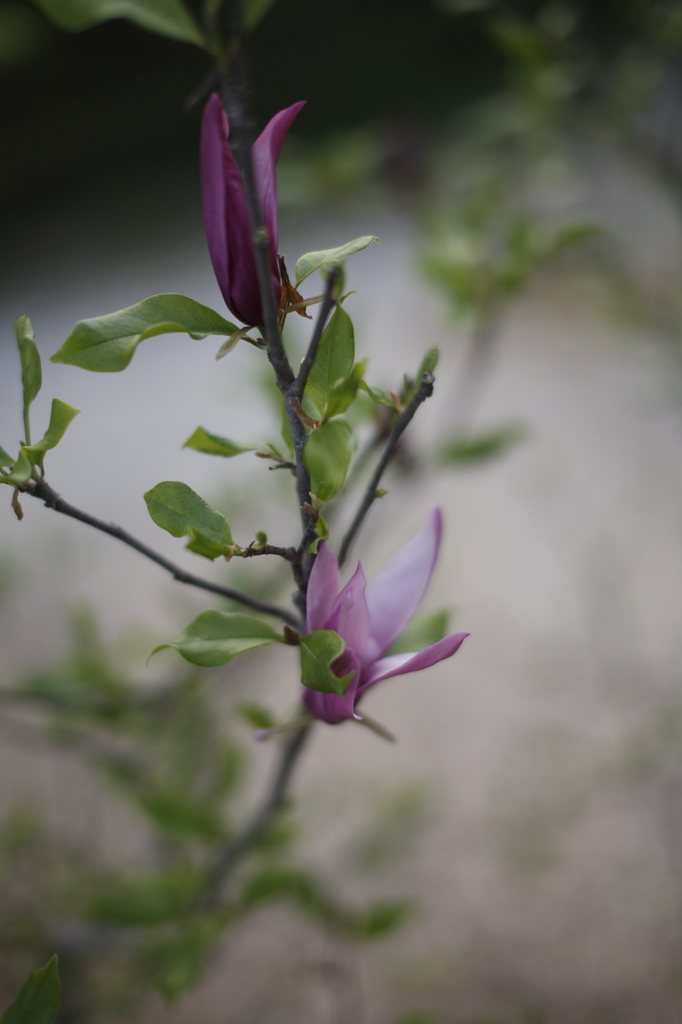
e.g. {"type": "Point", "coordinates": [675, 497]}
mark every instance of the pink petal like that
{"type": "Point", "coordinates": [400, 664]}
{"type": "Point", "coordinates": [353, 615]}
{"type": "Point", "coordinates": [265, 151]}
{"type": "Point", "coordinates": [323, 589]}
{"type": "Point", "coordinates": [397, 592]}
{"type": "Point", "coordinates": [330, 707]}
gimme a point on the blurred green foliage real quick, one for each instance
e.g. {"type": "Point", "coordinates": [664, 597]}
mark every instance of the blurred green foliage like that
{"type": "Point", "coordinates": [164, 752]}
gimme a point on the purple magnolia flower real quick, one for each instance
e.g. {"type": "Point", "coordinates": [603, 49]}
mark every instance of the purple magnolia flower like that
{"type": "Point", "coordinates": [226, 216]}
{"type": "Point", "coordinates": [370, 622]}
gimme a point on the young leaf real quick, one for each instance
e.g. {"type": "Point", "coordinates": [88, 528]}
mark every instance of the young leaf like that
{"type": "Point", "coordinates": [175, 507]}
{"type": "Point", "coordinates": [473, 448]}
{"type": "Point", "coordinates": [574, 234]}
{"type": "Point", "coordinates": [324, 259]}
{"type": "Point", "coordinates": [327, 457]}
{"type": "Point", "coordinates": [39, 998]}
{"type": "Point", "coordinates": [271, 882]}
{"type": "Point", "coordinates": [228, 770]}
{"type": "Point", "coordinates": [61, 415]}
{"type": "Point", "coordinates": [106, 344]}
{"type": "Point", "coordinates": [182, 814]}
{"type": "Point", "coordinates": [183, 958]}
{"type": "Point", "coordinates": [146, 897]}
{"type": "Point", "coordinates": [381, 917]}
{"type": "Point", "coordinates": [231, 342]}
{"type": "Point", "coordinates": [256, 715]}
{"type": "Point", "coordinates": [165, 17]}
{"type": "Point", "coordinates": [378, 395]}
{"type": "Point", "coordinates": [31, 371]}
{"type": "Point", "coordinates": [213, 444]}
{"type": "Point", "coordinates": [20, 473]}
{"type": "Point", "coordinates": [319, 650]}
{"type": "Point", "coordinates": [343, 394]}
{"type": "Point", "coordinates": [5, 458]}
{"type": "Point", "coordinates": [334, 360]}
{"type": "Point", "coordinates": [253, 11]}
{"type": "Point", "coordinates": [214, 638]}
{"type": "Point", "coordinates": [427, 365]}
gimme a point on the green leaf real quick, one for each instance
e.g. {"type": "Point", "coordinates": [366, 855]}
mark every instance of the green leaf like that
{"type": "Point", "coordinates": [231, 342]}
{"type": "Point", "coordinates": [213, 444]}
{"type": "Point", "coordinates": [61, 415]}
{"type": "Point", "coordinates": [106, 344]}
{"type": "Point", "coordinates": [5, 458]}
{"type": "Point", "coordinates": [147, 897]}
{"type": "Point", "coordinates": [377, 394]}
{"type": "Point", "coordinates": [271, 882]}
{"type": "Point", "coordinates": [39, 998]}
{"type": "Point", "coordinates": [214, 638]}
{"type": "Point", "coordinates": [427, 365]}
{"type": "Point", "coordinates": [182, 959]}
{"type": "Point", "coordinates": [175, 507]}
{"type": "Point", "coordinates": [325, 259]}
{"type": "Point", "coordinates": [343, 395]}
{"type": "Point", "coordinates": [382, 917]}
{"type": "Point", "coordinates": [228, 770]}
{"type": "Point", "coordinates": [31, 370]}
{"type": "Point", "coordinates": [21, 471]}
{"type": "Point", "coordinates": [165, 17]}
{"type": "Point", "coordinates": [256, 715]}
{"type": "Point", "coordinates": [180, 814]}
{"type": "Point", "coordinates": [574, 234]}
{"type": "Point", "coordinates": [426, 628]}
{"type": "Point", "coordinates": [319, 650]}
{"type": "Point", "coordinates": [253, 11]}
{"type": "Point", "coordinates": [474, 448]}
{"type": "Point", "coordinates": [334, 360]}
{"type": "Point", "coordinates": [327, 457]}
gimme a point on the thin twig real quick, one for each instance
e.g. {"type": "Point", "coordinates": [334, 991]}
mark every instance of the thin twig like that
{"type": "Point", "coordinates": [424, 391]}
{"type": "Point", "coordinates": [44, 492]}
{"type": "Point", "coordinates": [289, 554]}
{"type": "Point", "coordinates": [328, 303]}
{"type": "Point", "coordinates": [232, 853]}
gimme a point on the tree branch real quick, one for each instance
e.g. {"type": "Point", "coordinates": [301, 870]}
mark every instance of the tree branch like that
{"type": "Point", "coordinates": [232, 853]}
{"type": "Point", "coordinates": [288, 554]}
{"type": "Point", "coordinates": [328, 303]}
{"type": "Point", "coordinates": [44, 492]}
{"type": "Point", "coordinates": [424, 391]}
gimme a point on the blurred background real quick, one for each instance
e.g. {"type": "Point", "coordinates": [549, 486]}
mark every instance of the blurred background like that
{"type": "Point", "coordinates": [521, 163]}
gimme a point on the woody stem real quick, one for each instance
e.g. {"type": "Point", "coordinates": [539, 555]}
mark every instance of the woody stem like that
{"type": "Point", "coordinates": [424, 391]}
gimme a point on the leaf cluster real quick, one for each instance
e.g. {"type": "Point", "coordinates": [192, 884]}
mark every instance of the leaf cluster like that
{"type": "Point", "coordinates": [30, 460]}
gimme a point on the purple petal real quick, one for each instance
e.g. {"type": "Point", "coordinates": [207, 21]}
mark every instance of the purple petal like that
{"type": "Point", "coordinates": [353, 615]}
{"type": "Point", "coordinates": [397, 592]}
{"type": "Point", "coordinates": [226, 218]}
{"type": "Point", "coordinates": [330, 707]}
{"type": "Point", "coordinates": [225, 210]}
{"type": "Point", "coordinates": [215, 153]}
{"type": "Point", "coordinates": [265, 152]}
{"type": "Point", "coordinates": [323, 589]}
{"type": "Point", "coordinates": [400, 664]}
